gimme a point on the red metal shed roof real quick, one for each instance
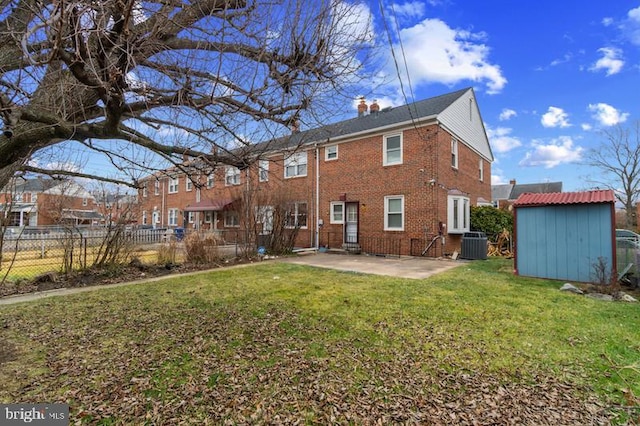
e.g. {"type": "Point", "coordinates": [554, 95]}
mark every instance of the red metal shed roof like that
{"type": "Point", "coordinates": [554, 198]}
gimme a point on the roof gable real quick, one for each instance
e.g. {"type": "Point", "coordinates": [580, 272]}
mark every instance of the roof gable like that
{"type": "Point", "coordinates": [462, 118]}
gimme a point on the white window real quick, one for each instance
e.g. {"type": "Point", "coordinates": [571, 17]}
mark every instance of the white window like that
{"type": "Point", "coordinates": [394, 213]}
{"type": "Point", "coordinates": [231, 176]}
{"type": "Point", "coordinates": [144, 190]}
{"type": "Point", "coordinates": [264, 216]}
{"type": "Point", "coordinates": [173, 185]}
{"type": "Point", "coordinates": [392, 150]}
{"type": "Point", "coordinates": [192, 217]}
{"type": "Point", "coordinates": [144, 217]}
{"type": "Point", "coordinates": [173, 217]}
{"type": "Point", "coordinates": [34, 197]}
{"type": "Point", "coordinates": [337, 212]}
{"type": "Point", "coordinates": [454, 153]}
{"type": "Point", "coordinates": [188, 184]}
{"type": "Point", "coordinates": [18, 197]}
{"type": "Point", "coordinates": [263, 170]}
{"type": "Point", "coordinates": [210, 180]}
{"type": "Point", "coordinates": [85, 202]}
{"type": "Point", "coordinates": [331, 152]}
{"type": "Point", "coordinates": [156, 187]}
{"type": "Point", "coordinates": [458, 214]}
{"type": "Point", "coordinates": [296, 215]}
{"type": "Point", "coordinates": [208, 217]}
{"type": "Point", "coordinates": [481, 170]}
{"type": "Point", "coordinates": [231, 219]}
{"type": "Point", "coordinates": [295, 165]}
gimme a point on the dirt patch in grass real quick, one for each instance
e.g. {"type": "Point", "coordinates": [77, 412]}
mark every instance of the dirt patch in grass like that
{"type": "Point", "coordinates": [111, 275]}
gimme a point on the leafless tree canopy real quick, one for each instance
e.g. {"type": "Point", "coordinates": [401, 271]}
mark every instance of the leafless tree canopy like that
{"type": "Point", "coordinates": [618, 159]}
{"type": "Point", "coordinates": [171, 77]}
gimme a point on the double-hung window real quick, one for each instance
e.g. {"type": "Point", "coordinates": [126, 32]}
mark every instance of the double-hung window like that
{"type": "Point", "coordinates": [337, 212]}
{"type": "Point", "coordinates": [173, 217]}
{"type": "Point", "coordinates": [210, 180]}
{"type": "Point", "coordinates": [295, 165]}
{"type": "Point", "coordinates": [394, 213]}
{"type": "Point", "coordinates": [296, 215]}
{"type": "Point", "coordinates": [232, 176]}
{"type": "Point", "coordinates": [231, 219]}
{"type": "Point", "coordinates": [173, 185]}
{"type": "Point", "coordinates": [263, 170]}
{"type": "Point", "coordinates": [156, 187]}
{"type": "Point", "coordinates": [188, 183]}
{"type": "Point", "coordinates": [331, 152]}
{"type": "Point", "coordinates": [458, 214]}
{"type": "Point", "coordinates": [454, 153]}
{"type": "Point", "coordinates": [392, 150]}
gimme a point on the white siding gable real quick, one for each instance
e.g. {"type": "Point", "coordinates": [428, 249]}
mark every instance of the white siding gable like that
{"type": "Point", "coordinates": [462, 118]}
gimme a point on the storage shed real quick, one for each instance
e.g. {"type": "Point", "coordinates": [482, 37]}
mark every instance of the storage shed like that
{"type": "Point", "coordinates": [563, 235]}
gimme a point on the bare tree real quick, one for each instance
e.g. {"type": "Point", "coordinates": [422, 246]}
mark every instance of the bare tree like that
{"type": "Point", "coordinates": [126, 78]}
{"type": "Point", "coordinates": [618, 158]}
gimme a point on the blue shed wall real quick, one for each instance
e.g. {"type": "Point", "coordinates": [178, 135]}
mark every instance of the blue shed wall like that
{"type": "Point", "coordinates": [563, 241]}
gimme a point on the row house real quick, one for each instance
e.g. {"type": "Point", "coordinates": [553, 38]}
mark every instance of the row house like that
{"type": "Point", "coordinates": [406, 174]}
{"type": "Point", "coordinates": [46, 202]}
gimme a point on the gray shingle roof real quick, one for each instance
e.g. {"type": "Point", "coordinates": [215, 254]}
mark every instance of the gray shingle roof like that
{"type": "Point", "coordinates": [386, 117]}
{"type": "Point", "coordinates": [536, 188]}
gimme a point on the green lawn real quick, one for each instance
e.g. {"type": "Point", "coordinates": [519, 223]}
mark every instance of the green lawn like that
{"type": "Point", "coordinates": [279, 343]}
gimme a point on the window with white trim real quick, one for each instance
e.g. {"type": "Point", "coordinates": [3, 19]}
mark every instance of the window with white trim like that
{"type": "Point", "coordinates": [481, 170]}
{"type": "Point", "coordinates": [394, 213]}
{"type": "Point", "coordinates": [231, 176]}
{"type": "Point", "coordinates": [337, 212]}
{"type": "Point", "coordinates": [144, 217]}
{"type": "Point", "coordinates": [295, 165]}
{"type": "Point", "coordinates": [296, 215]}
{"type": "Point", "coordinates": [173, 217]}
{"type": "Point", "coordinates": [173, 185]}
{"type": "Point", "coordinates": [156, 187]}
{"type": "Point", "coordinates": [208, 217]}
{"type": "Point", "coordinates": [454, 153]}
{"type": "Point", "coordinates": [264, 216]}
{"type": "Point", "coordinates": [210, 180]}
{"type": "Point", "coordinates": [188, 183]}
{"type": "Point", "coordinates": [85, 202]}
{"type": "Point", "coordinates": [231, 219]}
{"type": "Point", "coordinates": [263, 170]}
{"type": "Point", "coordinates": [144, 190]}
{"type": "Point", "coordinates": [458, 214]}
{"type": "Point", "coordinates": [331, 152]}
{"type": "Point", "coordinates": [392, 150]}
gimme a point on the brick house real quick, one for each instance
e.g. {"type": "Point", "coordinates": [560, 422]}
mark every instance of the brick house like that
{"type": "Point", "coordinates": [386, 181]}
{"type": "Point", "coordinates": [46, 202]}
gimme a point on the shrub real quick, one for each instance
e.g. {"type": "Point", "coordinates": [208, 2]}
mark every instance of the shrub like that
{"type": "Point", "coordinates": [167, 253]}
{"type": "Point", "coordinates": [201, 248]}
{"type": "Point", "coordinates": [490, 220]}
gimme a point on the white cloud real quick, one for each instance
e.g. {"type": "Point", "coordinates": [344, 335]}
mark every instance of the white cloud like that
{"type": "Point", "coordinates": [586, 127]}
{"type": "Point", "coordinates": [607, 21]}
{"type": "Point", "coordinates": [558, 151]}
{"type": "Point", "coordinates": [438, 53]}
{"type": "Point", "coordinates": [555, 117]}
{"type": "Point", "coordinates": [500, 139]}
{"type": "Point", "coordinates": [607, 115]}
{"type": "Point", "coordinates": [611, 61]}
{"type": "Point", "coordinates": [631, 26]}
{"type": "Point", "coordinates": [507, 113]}
{"type": "Point", "coordinates": [411, 9]}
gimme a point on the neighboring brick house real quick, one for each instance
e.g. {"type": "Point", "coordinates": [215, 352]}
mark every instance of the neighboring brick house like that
{"type": "Point", "coordinates": [117, 208]}
{"type": "Point", "coordinates": [45, 202]}
{"type": "Point", "coordinates": [504, 195]}
{"type": "Point", "coordinates": [395, 177]}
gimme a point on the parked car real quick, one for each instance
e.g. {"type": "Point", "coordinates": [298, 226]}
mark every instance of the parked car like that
{"type": "Point", "coordinates": [627, 235]}
{"type": "Point", "coordinates": [628, 256]}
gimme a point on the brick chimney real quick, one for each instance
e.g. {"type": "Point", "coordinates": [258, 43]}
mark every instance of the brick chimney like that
{"type": "Point", "coordinates": [374, 108]}
{"type": "Point", "coordinates": [362, 108]}
{"type": "Point", "coordinates": [512, 182]}
{"type": "Point", "coordinates": [295, 126]}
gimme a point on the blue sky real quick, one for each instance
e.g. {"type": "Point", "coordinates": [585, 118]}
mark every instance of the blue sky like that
{"type": "Point", "coordinates": [549, 75]}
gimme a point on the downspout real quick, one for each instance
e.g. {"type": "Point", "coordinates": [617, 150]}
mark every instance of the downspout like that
{"type": "Point", "coordinates": [317, 213]}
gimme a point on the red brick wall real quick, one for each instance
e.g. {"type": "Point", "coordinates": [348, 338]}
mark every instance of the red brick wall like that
{"type": "Point", "coordinates": [424, 179]}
